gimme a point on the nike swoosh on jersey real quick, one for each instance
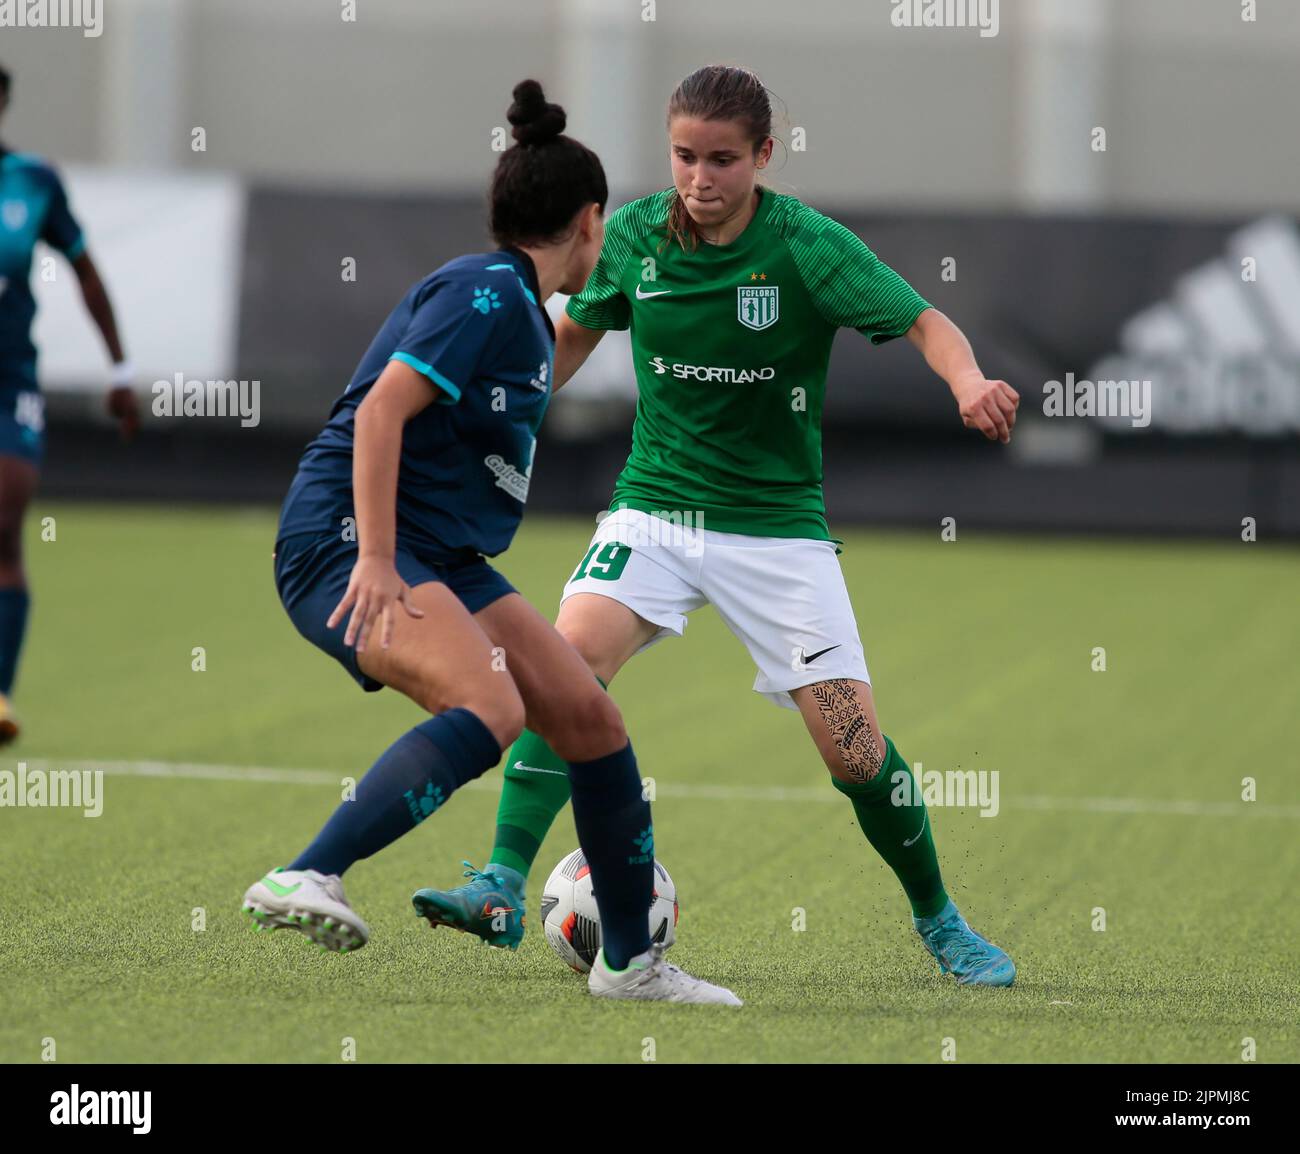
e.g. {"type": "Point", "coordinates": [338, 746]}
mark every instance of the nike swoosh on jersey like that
{"type": "Point", "coordinates": [646, 296]}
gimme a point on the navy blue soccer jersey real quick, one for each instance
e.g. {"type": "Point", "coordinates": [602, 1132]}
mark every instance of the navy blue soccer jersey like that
{"type": "Point", "coordinates": [478, 331]}
{"type": "Point", "coordinates": [32, 207]}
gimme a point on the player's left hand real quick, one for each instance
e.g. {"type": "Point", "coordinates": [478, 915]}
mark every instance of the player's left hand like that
{"type": "Point", "coordinates": [989, 406]}
{"type": "Point", "coordinates": [122, 407]}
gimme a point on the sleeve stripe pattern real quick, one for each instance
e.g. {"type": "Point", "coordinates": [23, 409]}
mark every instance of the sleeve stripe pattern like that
{"type": "Point", "coordinates": [527, 291]}
{"type": "Point", "coordinates": [450, 387]}
{"type": "Point", "coordinates": [601, 304]}
{"type": "Point", "coordinates": [852, 287]}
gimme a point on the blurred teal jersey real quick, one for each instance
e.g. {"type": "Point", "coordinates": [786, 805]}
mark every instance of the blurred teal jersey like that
{"type": "Point", "coordinates": [33, 207]}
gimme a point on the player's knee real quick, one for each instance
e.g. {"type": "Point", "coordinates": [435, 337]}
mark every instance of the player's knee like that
{"type": "Point", "coordinates": [498, 706]}
{"type": "Point", "coordinates": [505, 718]}
{"type": "Point", "coordinates": [593, 648]}
{"type": "Point", "coordinates": [843, 726]}
{"type": "Point", "coordinates": [854, 756]}
{"type": "Point", "coordinates": [587, 727]}
{"type": "Point", "coordinates": [11, 542]}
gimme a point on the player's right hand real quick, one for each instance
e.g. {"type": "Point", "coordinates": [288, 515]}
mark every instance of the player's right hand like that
{"type": "Point", "coordinates": [989, 406]}
{"type": "Point", "coordinates": [373, 589]}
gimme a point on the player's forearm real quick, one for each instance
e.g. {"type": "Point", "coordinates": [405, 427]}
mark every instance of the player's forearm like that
{"type": "Point", "coordinates": [946, 350]}
{"type": "Point", "coordinates": [100, 308]}
{"type": "Point", "coordinates": [573, 345]}
{"type": "Point", "coordinates": [377, 452]}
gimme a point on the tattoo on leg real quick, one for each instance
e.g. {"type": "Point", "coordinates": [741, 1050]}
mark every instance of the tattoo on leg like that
{"type": "Point", "coordinates": [858, 747]}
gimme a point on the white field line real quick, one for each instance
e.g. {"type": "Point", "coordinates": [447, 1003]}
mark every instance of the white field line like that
{"type": "Point", "coordinates": [777, 793]}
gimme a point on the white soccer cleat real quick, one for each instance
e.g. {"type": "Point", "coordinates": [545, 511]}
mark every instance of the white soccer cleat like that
{"type": "Point", "coordinates": [649, 978]}
{"type": "Point", "coordinates": [309, 902]}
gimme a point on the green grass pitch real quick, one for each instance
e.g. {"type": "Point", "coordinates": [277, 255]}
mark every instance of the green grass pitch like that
{"type": "Point", "coordinates": [981, 652]}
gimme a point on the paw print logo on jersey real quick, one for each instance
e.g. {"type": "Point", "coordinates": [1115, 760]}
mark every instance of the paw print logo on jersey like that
{"type": "Point", "coordinates": [485, 300]}
{"type": "Point", "coordinates": [426, 803]}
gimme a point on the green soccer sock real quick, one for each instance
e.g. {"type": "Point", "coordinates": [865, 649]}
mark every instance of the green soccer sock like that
{"type": "Point", "coordinates": [536, 789]}
{"type": "Point", "coordinates": [900, 834]}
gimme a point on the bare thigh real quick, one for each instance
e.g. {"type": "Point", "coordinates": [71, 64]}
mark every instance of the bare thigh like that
{"type": "Point", "coordinates": [841, 717]}
{"type": "Point", "coordinates": [604, 631]}
{"type": "Point", "coordinates": [563, 701]}
{"type": "Point", "coordinates": [444, 660]}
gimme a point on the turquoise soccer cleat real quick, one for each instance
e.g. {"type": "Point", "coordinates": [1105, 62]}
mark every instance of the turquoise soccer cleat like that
{"type": "Point", "coordinates": [960, 951]}
{"type": "Point", "coordinates": [490, 905]}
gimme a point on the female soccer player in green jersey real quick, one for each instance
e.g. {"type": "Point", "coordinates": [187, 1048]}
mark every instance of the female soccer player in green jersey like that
{"type": "Point", "coordinates": [733, 294]}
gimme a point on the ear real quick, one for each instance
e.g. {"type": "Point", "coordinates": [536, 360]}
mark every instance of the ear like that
{"type": "Point", "coordinates": [764, 153]}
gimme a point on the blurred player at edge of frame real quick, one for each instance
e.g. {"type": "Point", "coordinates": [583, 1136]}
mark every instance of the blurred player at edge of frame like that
{"type": "Point", "coordinates": [33, 207]}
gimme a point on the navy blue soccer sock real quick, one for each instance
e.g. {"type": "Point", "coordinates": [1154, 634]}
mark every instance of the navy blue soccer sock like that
{"type": "Point", "coordinates": [613, 823]}
{"type": "Point", "coordinates": [14, 603]}
{"type": "Point", "coordinates": [417, 773]}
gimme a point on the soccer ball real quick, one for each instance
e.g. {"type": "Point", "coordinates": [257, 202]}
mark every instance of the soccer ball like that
{"type": "Point", "coordinates": [572, 922]}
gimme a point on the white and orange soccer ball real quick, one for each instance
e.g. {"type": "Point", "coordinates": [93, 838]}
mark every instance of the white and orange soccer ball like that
{"type": "Point", "coordinates": [572, 922]}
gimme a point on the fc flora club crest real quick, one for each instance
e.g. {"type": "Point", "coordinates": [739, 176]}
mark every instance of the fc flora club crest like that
{"type": "Point", "coordinates": [758, 308]}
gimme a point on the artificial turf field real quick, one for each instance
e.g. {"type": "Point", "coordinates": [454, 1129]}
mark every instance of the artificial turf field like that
{"type": "Point", "coordinates": [1118, 789]}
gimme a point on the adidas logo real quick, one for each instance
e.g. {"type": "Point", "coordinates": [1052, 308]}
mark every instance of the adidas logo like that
{"type": "Point", "coordinates": [1220, 354]}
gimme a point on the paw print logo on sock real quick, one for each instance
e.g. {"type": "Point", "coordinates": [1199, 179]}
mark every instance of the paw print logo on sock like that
{"type": "Point", "coordinates": [485, 300]}
{"type": "Point", "coordinates": [432, 798]}
{"type": "Point", "coordinates": [645, 845]}
{"type": "Point", "coordinates": [426, 803]}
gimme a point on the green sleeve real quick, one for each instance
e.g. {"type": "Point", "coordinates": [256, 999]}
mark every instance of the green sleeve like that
{"type": "Point", "coordinates": [851, 286]}
{"type": "Point", "coordinates": [602, 303]}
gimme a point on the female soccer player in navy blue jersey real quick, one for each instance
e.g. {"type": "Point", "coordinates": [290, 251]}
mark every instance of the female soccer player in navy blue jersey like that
{"type": "Point", "coordinates": [33, 208]}
{"type": "Point", "coordinates": [421, 472]}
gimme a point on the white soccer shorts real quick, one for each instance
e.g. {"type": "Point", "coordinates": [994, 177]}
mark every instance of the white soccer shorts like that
{"type": "Point", "coordinates": [784, 598]}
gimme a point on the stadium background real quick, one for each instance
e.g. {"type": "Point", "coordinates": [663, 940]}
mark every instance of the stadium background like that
{"type": "Point", "coordinates": [328, 140]}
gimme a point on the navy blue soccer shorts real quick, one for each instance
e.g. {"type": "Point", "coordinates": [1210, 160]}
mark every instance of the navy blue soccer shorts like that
{"type": "Point", "coordinates": [311, 576]}
{"type": "Point", "coordinates": [22, 424]}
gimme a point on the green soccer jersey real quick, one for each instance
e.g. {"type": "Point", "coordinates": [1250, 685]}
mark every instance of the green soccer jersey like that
{"type": "Point", "coordinates": [731, 345]}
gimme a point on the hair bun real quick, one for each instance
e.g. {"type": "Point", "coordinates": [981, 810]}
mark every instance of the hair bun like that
{"type": "Point", "coordinates": [535, 121]}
